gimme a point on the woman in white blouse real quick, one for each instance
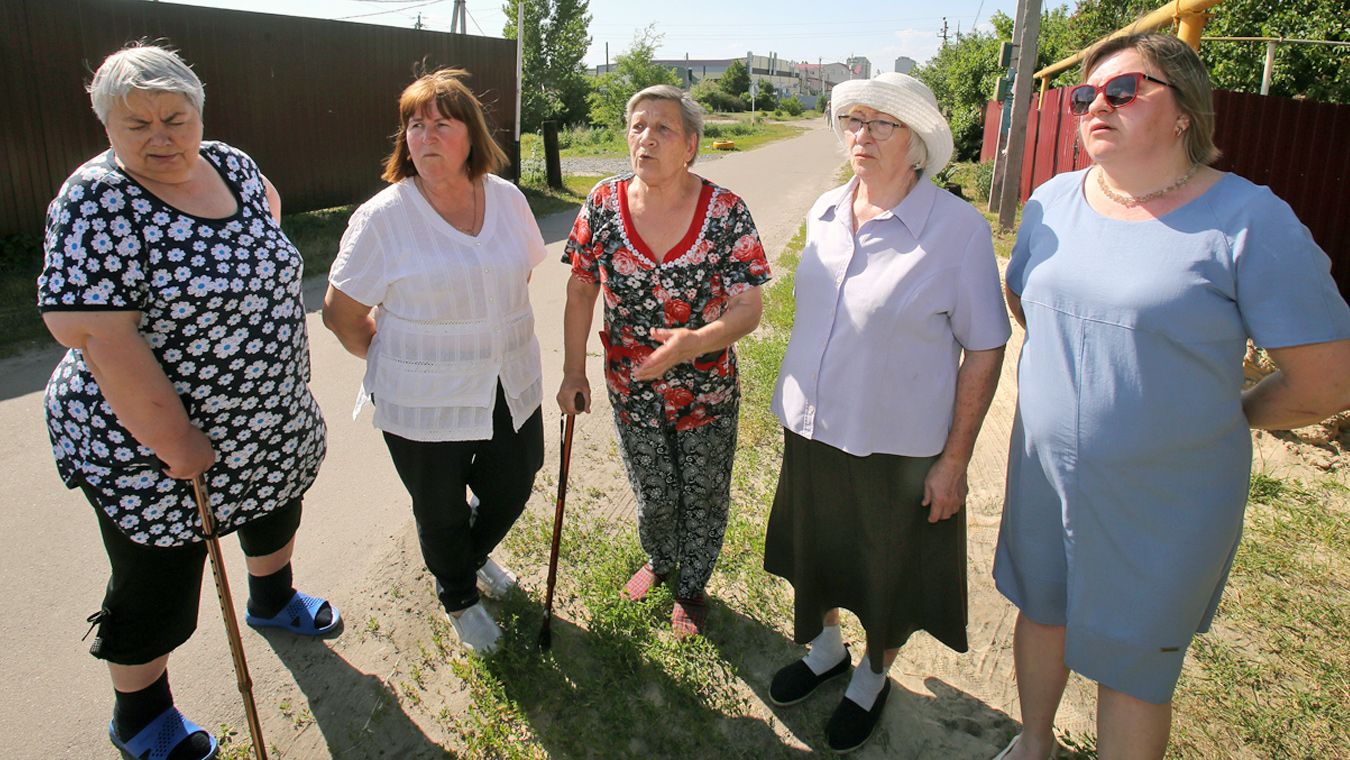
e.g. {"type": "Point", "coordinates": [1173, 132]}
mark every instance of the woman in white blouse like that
{"type": "Point", "coordinates": [430, 287]}
{"type": "Point", "coordinates": [880, 412]}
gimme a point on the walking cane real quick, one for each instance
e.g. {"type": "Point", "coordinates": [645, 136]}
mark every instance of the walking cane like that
{"type": "Point", "coordinates": [545, 633]}
{"type": "Point", "coordinates": [227, 610]}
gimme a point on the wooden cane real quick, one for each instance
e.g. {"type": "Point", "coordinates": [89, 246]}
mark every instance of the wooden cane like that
{"type": "Point", "coordinates": [227, 611]}
{"type": "Point", "coordinates": [545, 633]}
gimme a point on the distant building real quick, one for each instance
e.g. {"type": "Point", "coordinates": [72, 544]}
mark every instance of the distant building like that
{"type": "Point", "coordinates": [860, 67]}
{"type": "Point", "coordinates": [904, 64]}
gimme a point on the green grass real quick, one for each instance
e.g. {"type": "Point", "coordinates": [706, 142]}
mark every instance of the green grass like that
{"type": "Point", "coordinates": [589, 142]}
{"type": "Point", "coordinates": [1273, 677]}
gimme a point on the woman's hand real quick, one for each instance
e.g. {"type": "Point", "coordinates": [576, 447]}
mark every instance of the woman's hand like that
{"type": "Point", "coordinates": [945, 488]}
{"type": "Point", "coordinates": [574, 385]}
{"type": "Point", "coordinates": [135, 386]}
{"type": "Point", "coordinates": [677, 346]}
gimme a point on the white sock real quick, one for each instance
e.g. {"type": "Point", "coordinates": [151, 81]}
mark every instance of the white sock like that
{"type": "Point", "coordinates": [865, 685]}
{"type": "Point", "coordinates": [827, 650]}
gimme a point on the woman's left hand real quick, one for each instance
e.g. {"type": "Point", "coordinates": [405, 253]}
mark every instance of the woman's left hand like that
{"type": "Point", "coordinates": [945, 489]}
{"type": "Point", "coordinates": [677, 346]}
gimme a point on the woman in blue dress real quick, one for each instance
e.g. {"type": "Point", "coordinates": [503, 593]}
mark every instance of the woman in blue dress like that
{"type": "Point", "coordinates": [1139, 282]}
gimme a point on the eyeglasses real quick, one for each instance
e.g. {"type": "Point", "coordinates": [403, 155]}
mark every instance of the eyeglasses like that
{"type": "Point", "coordinates": [1120, 91]}
{"type": "Point", "coordinates": [880, 128]}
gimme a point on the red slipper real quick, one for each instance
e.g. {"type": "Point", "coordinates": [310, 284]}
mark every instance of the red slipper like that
{"type": "Point", "coordinates": [689, 616]}
{"type": "Point", "coordinates": [641, 584]}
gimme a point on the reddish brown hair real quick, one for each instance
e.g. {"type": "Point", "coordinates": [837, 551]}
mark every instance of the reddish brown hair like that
{"type": "Point", "coordinates": [445, 89]}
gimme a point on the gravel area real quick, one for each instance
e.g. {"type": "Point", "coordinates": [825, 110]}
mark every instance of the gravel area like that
{"type": "Point", "coordinates": [607, 167]}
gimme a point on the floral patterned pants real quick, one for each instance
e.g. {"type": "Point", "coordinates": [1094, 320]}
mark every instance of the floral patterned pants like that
{"type": "Point", "coordinates": [682, 481]}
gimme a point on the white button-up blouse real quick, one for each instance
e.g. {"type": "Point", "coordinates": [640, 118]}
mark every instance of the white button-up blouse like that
{"type": "Point", "coordinates": [454, 313]}
{"type": "Point", "coordinates": [882, 317]}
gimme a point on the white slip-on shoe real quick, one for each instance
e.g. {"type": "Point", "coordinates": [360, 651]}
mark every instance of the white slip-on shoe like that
{"type": "Point", "coordinates": [1008, 749]}
{"type": "Point", "coordinates": [495, 580]}
{"type": "Point", "coordinates": [476, 630]}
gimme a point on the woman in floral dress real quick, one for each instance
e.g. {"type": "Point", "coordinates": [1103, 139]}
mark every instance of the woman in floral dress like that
{"type": "Point", "coordinates": [680, 265]}
{"type": "Point", "coordinates": [169, 278]}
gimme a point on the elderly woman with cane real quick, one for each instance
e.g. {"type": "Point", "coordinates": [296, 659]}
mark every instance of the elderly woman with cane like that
{"type": "Point", "coordinates": [880, 410]}
{"type": "Point", "coordinates": [169, 278]}
{"type": "Point", "coordinates": [680, 264]}
{"type": "Point", "coordinates": [430, 287]}
{"type": "Point", "coordinates": [1139, 281]}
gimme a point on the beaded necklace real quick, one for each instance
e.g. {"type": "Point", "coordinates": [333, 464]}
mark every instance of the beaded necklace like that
{"type": "Point", "coordinates": [1130, 201]}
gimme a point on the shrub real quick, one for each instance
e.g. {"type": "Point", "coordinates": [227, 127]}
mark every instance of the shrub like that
{"type": "Point", "coordinates": [793, 106]}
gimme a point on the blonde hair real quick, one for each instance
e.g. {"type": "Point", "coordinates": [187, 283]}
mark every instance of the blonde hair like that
{"type": "Point", "coordinates": [1179, 66]}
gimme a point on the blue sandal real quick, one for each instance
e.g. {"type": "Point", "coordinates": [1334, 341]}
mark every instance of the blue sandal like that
{"type": "Point", "coordinates": [161, 737]}
{"type": "Point", "coordinates": [297, 616]}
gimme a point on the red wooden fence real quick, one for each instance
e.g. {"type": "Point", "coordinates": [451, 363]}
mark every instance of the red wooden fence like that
{"type": "Point", "coordinates": [1300, 149]}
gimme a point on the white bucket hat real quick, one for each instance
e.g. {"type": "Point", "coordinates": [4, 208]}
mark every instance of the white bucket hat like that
{"type": "Point", "coordinates": [905, 98]}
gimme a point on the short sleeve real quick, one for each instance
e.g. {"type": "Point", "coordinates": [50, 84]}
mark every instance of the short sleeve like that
{"type": "Point", "coordinates": [524, 218]}
{"type": "Point", "coordinates": [1285, 291]}
{"type": "Point", "coordinates": [359, 269]}
{"type": "Point", "coordinates": [581, 250]}
{"type": "Point", "coordinates": [747, 266]}
{"type": "Point", "coordinates": [94, 258]}
{"type": "Point", "coordinates": [1016, 272]}
{"type": "Point", "coordinates": [980, 320]}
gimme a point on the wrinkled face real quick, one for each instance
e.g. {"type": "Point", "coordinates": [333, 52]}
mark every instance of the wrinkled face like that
{"type": "Point", "coordinates": [155, 135]}
{"type": "Point", "coordinates": [438, 144]}
{"type": "Point", "coordinates": [1137, 130]}
{"type": "Point", "coordinates": [657, 144]}
{"type": "Point", "coordinates": [873, 159]}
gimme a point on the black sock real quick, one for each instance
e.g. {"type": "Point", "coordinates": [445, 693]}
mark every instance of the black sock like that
{"type": "Point", "coordinates": [134, 710]}
{"type": "Point", "coordinates": [269, 595]}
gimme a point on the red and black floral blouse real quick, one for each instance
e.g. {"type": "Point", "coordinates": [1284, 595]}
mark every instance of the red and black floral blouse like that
{"type": "Point", "coordinates": [719, 257]}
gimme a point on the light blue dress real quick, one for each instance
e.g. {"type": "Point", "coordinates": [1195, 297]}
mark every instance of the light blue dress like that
{"type": "Point", "coordinates": [1130, 454]}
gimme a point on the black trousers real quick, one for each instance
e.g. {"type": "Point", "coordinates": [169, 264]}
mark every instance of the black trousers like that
{"type": "Point", "coordinates": [501, 473]}
{"type": "Point", "coordinates": [150, 607]}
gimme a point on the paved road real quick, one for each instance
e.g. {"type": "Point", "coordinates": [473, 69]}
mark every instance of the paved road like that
{"type": "Point", "coordinates": [54, 698]}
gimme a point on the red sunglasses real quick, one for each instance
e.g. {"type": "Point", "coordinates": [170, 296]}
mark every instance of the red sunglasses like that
{"type": "Point", "coordinates": [1119, 91]}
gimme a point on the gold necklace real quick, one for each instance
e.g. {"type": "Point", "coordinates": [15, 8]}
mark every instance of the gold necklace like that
{"type": "Point", "coordinates": [473, 193]}
{"type": "Point", "coordinates": [1129, 201]}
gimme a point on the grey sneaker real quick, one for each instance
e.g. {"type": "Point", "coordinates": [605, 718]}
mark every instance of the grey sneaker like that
{"type": "Point", "coordinates": [476, 630]}
{"type": "Point", "coordinates": [495, 580]}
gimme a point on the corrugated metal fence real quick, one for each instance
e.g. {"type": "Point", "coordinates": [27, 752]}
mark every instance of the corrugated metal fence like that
{"type": "Point", "coordinates": [313, 101]}
{"type": "Point", "coordinates": [1300, 149]}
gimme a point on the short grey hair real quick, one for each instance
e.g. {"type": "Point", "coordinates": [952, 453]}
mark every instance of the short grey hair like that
{"type": "Point", "coordinates": [146, 67]}
{"type": "Point", "coordinates": [691, 113]}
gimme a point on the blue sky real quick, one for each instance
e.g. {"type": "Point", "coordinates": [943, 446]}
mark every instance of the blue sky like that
{"type": "Point", "coordinates": [798, 30]}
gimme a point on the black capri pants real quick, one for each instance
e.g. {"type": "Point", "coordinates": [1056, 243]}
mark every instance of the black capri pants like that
{"type": "Point", "coordinates": [150, 607]}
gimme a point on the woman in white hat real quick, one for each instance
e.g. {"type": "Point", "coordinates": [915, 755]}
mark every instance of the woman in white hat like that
{"type": "Point", "coordinates": [880, 411]}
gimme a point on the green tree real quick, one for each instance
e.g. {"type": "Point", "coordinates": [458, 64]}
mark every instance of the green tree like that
{"type": "Point", "coordinates": [736, 79]}
{"type": "Point", "coordinates": [633, 71]}
{"type": "Point", "coordinates": [1317, 72]}
{"type": "Point", "coordinates": [556, 39]}
{"type": "Point", "coordinates": [962, 77]}
{"type": "Point", "coordinates": [767, 100]}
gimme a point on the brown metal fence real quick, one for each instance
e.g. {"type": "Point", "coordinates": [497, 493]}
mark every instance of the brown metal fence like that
{"type": "Point", "coordinates": [1300, 149]}
{"type": "Point", "coordinates": [313, 101]}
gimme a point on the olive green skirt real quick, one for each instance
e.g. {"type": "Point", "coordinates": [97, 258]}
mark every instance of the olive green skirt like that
{"type": "Point", "coordinates": [852, 532]}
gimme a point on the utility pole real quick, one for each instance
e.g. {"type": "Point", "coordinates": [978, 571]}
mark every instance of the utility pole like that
{"type": "Point", "coordinates": [457, 19]}
{"type": "Point", "coordinates": [943, 33]}
{"type": "Point", "coordinates": [1017, 137]}
{"type": "Point", "coordinates": [418, 24]}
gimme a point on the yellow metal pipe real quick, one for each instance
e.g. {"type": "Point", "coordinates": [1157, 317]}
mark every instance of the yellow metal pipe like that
{"type": "Point", "coordinates": [1177, 10]}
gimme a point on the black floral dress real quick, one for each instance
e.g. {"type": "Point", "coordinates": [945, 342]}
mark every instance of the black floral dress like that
{"type": "Point", "coordinates": [222, 312]}
{"type": "Point", "coordinates": [719, 258]}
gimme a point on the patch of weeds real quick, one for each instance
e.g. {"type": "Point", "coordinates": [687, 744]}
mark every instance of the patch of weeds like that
{"type": "Point", "coordinates": [1273, 677]}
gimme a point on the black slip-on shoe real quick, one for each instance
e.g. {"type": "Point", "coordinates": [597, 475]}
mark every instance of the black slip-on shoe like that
{"type": "Point", "coordinates": [851, 726]}
{"type": "Point", "coordinates": [796, 682]}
